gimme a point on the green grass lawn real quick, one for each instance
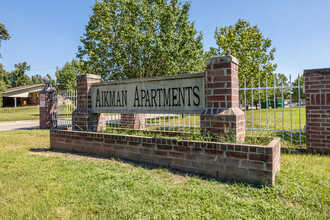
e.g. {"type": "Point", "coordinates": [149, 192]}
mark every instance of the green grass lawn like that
{"type": "Point", "coordinates": [19, 113]}
{"type": "Point", "coordinates": [39, 187]}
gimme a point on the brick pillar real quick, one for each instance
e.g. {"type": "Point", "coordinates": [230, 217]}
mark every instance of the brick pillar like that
{"type": "Point", "coordinates": [317, 91]}
{"type": "Point", "coordinates": [46, 109]}
{"type": "Point", "coordinates": [133, 121]}
{"type": "Point", "coordinates": [82, 117]}
{"type": "Point", "coordinates": [222, 116]}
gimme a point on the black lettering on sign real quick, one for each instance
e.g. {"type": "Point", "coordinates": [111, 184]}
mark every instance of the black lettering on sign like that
{"type": "Point", "coordinates": [106, 103]}
{"type": "Point", "coordinates": [159, 96]}
{"type": "Point", "coordinates": [153, 97]}
{"type": "Point", "coordinates": [167, 97]}
{"type": "Point", "coordinates": [174, 96]}
{"type": "Point", "coordinates": [136, 99]}
{"type": "Point", "coordinates": [196, 95]}
{"type": "Point", "coordinates": [112, 98]}
{"type": "Point", "coordinates": [143, 96]}
{"type": "Point", "coordinates": [147, 99]}
{"type": "Point", "coordinates": [98, 99]}
{"type": "Point", "coordinates": [118, 99]}
{"type": "Point", "coordinates": [124, 98]}
{"type": "Point", "coordinates": [189, 88]}
{"type": "Point", "coordinates": [182, 96]}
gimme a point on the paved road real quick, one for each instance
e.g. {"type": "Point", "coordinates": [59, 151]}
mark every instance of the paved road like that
{"type": "Point", "coordinates": [17, 125]}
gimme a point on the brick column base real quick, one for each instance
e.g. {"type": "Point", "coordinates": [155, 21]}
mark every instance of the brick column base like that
{"type": "Point", "coordinates": [224, 125]}
{"type": "Point", "coordinates": [84, 120]}
{"type": "Point", "coordinates": [133, 121]}
{"type": "Point", "coordinates": [45, 112]}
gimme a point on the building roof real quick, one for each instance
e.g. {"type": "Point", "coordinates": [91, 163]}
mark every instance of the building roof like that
{"type": "Point", "coordinates": [23, 91]}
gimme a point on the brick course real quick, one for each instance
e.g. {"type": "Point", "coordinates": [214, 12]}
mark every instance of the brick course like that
{"type": "Point", "coordinates": [317, 91]}
{"type": "Point", "coordinates": [239, 162]}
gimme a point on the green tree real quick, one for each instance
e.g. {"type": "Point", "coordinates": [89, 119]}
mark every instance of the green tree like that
{"type": "Point", "coordinates": [18, 76]}
{"type": "Point", "coordinates": [36, 79]}
{"type": "Point", "coordinates": [141, 38]}
{"type": "Point", "coordinates": [295, 92]}
{"type": "Point", "coordinates": [3, 34]}
{"type": "Point", "coordinates": [4, 82]}
{"type": "Point", "coordinates": [250, 47]}
{"type": "Point", "coordinates": [66, 76]}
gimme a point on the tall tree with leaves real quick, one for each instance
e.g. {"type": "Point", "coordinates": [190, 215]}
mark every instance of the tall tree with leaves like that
{"type": "Point", "coordinates": [66, 76]}
{"type": "Point", "coordinates": [141, 38]}
{"type": "Point", "coordinates": [36, 79]}
{"type": "Point", "coordinates": [250, 47]}
{"type": "Point", "coordinates": [3, 34]}
{"type": "Point", "coordinates": [18, 76]}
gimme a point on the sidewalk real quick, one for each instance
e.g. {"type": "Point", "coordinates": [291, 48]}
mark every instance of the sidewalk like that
{"type": "Point", "coordinates": [17, 125]}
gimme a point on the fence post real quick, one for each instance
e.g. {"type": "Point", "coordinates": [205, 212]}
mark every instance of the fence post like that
{"type": "Point", "coordinates": [317, 92]}
{"type": "Point", "coordinates": [46, 108]}
{"type": "Point", "coordinates": [222, 116]}
{"type": "Point", "coordinates": [133, 121]}
{"type": "Point", "coordinates": [82, 117]}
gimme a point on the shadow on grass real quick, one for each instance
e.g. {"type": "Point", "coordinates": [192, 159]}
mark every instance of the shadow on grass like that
{"type": "Point", "coordinates": [144, 165]}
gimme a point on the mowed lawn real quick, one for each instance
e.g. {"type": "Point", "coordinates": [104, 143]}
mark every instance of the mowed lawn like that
{"type": "Point", "coordinates": [19, 113]}
{"type": "Point", "coordinates": [46, 187]}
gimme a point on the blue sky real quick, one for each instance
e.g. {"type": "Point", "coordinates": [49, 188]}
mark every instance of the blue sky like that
{"type": "Point", "coordinates": [46, 33]}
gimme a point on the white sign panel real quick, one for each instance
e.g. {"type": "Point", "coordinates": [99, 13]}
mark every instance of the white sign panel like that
{"type": "Point", "coordinates": [42, 100]}
{"type": "Point", "coordinates": [168, 94]}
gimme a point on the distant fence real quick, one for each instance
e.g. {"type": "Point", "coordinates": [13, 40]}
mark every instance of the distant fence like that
{"type": "Point", "coordinates": [65, 102]}
{"type": "Point", "coordinates": [286, 118]}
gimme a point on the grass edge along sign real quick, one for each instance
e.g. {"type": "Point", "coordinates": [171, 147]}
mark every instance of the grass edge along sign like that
{"type": "Point", "coordinates": [180, 94]}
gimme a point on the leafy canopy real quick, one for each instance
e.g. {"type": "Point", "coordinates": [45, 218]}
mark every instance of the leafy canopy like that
{"type": "Point", "coordinates": [3, 34]}
{"type": "Point", "coordinates": [252, 49]}
{"type": "Point", "coordinates": [66, 76]}
{"type": "Point", "coordinates": [18, 76]}
{"type": "Point", "coordinates": [141, 38]}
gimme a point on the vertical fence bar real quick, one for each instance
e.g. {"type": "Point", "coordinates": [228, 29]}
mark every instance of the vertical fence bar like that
{"type": "Point", "coordinates": [274, 106]}
{"type": "Point", "coordinates": [245, 101]}
{"type": "Point", "coordinates": [299, 109]}
{"type": "Point", "coordinates": [267, 104]}
{"type": "Point", "coordinates": [259, 104]}
{"type": "Point", "coordinates": [252, 102]}
{"type": "Point", "coordinates": [194, 123]}
{"type": "Point", "coordinates": [291, 106]}
{"type": "Point", "coordinates": [282, 112]}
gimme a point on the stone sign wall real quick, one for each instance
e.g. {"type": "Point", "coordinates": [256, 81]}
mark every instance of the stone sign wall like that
{"type": "Point", "coordinates": [181, 94]}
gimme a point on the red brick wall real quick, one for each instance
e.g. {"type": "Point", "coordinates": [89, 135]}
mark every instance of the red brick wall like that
{"type": "Point", "coordinates": [222, 115]}
{"type": "Point", "coordinates": [133, 121]}
{"type": "Point", "coordinates": [246, 163]}
{"type": "Point", "coordinates": [45, 113]}
{"type": "Point", "coordinates": [317, 90]}
{"type": "Point", "coordinates": [82, 117]}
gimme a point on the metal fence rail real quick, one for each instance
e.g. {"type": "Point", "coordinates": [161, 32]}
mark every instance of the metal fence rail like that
{"type": "Point", "coordinates": [162, 122]}
{"type": "Point", "coordinates": [65, 102]}
{"type": "Point", "coordinates": [271, 122]}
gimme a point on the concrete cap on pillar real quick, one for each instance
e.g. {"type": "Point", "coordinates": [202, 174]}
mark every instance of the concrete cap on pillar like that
{"type": "Point", "coordinates": [324, 70]}
{"type": "Point", "coordinates": [221, 59]}
{"type": "Point", "coordinates": [88, 76]}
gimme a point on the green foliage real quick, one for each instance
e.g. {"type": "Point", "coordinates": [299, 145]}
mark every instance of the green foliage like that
{"type": "Point", "coordinates": [66, 76]}
{"type": "Point", "coordinates": [250, 47]}
{"type": "Point", "coordinates": [18, 76]}
{"type": "Point", "coordinates": [4, 35]}
{"type": "Point", "coordinates": [4, 82]}
{"type": "Point", "coordinates": [51, 80]}
{"type": "Point", "coordinates": [141, 38]}
{"type": "Point", "coordinates": [295, 92]}
{"type": "Point", "coordinates": [36, 79]}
